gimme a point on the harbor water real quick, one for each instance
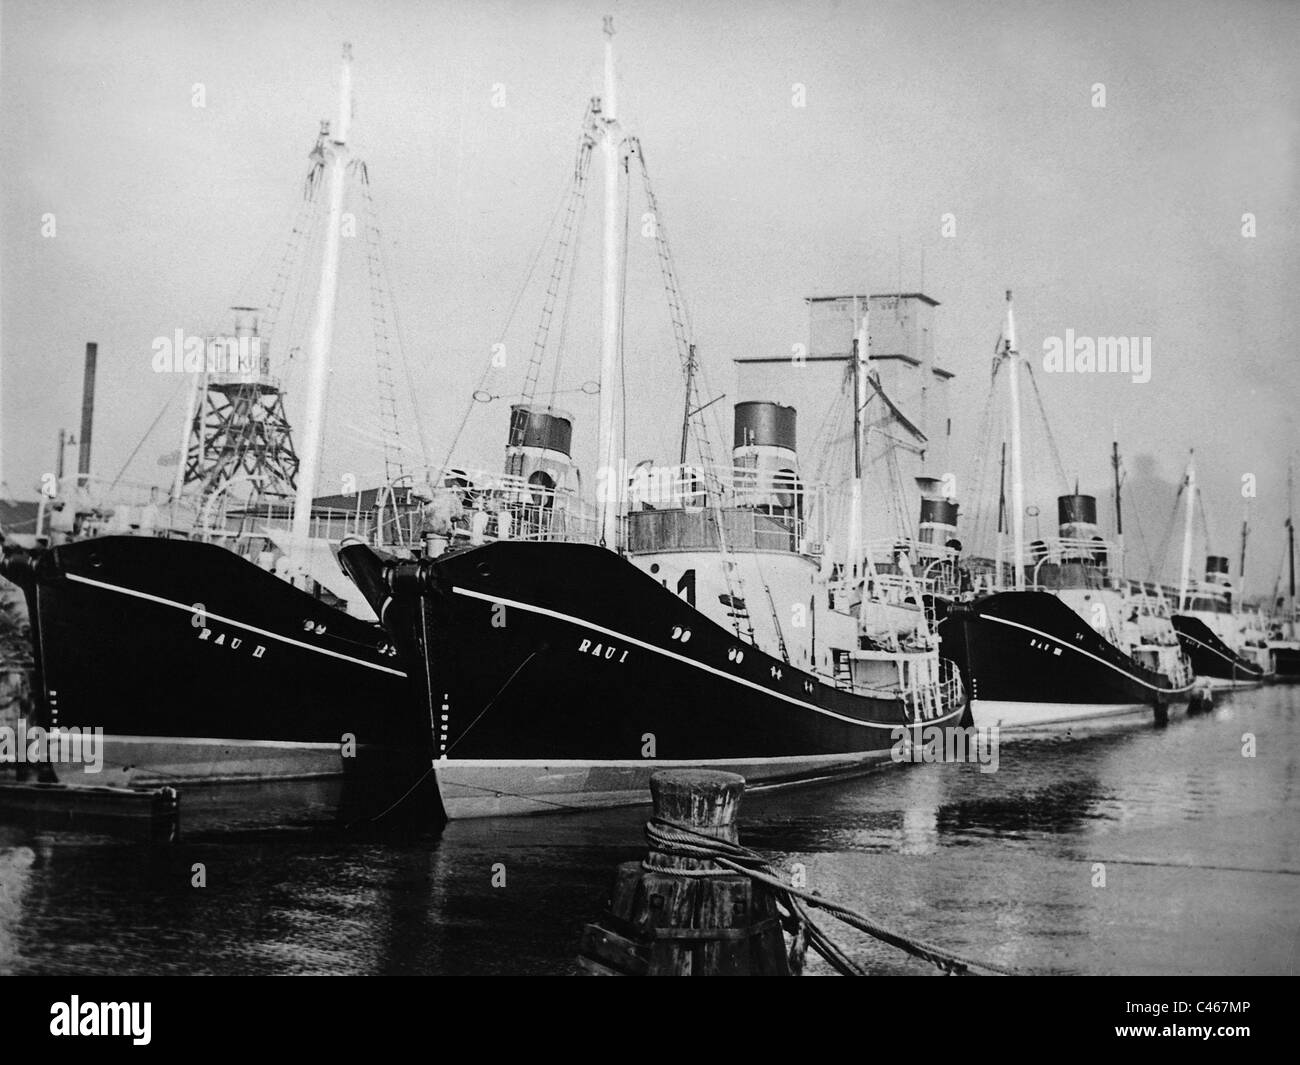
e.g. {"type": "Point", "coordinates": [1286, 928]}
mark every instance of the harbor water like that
{"type": "Point", "coordinates": [1119, 848]}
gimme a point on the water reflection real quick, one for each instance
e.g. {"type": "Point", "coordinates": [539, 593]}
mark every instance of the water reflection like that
{"type": "Point", "coordinates": [1199, 847]}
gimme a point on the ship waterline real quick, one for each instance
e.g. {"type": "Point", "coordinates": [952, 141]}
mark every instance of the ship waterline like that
{"type": "Point", "coordinates": [560, 675]}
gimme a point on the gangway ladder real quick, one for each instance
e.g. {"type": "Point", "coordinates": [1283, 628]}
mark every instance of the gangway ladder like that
{"type": "Point", "coordinates": [843, 669]}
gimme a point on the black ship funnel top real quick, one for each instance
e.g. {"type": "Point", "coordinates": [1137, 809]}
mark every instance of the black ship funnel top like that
{"type": "Point", "coordinates": [1076, 515]}
{"type": "Point", "coordinates": [541, 427]}
{"type": "Point", "coordinates": [764, 424]}
{"type": "Point", "coordinates": [1216, 569]}
{"type": "Point", "coordinates": [938, 512]}
{"type": "Point", "coordinates": [941, 513]}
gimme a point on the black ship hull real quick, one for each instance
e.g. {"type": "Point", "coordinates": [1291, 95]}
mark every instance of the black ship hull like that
{"type": "Point", "coordinates": [561, 676]}
{"type": "Point", "coordinates": [1212, 659]}
{"type": "Point", "coordinates": [1030, 661]}
{"type": "Point", "coordinates": [200, 667]}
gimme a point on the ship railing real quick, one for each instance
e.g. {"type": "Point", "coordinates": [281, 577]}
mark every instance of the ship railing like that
{"type": "Point", "coordinates": [654, 486]}
{"type": "Point", "coordinates": [894, 589]}
{"type": "Point", "coordinates": [927, 561]}
{"type": "Point", "coordinates": [1207, 596]}
{"type": "Point", "coordinates": [84, 505]}
{"type": "Point", "coordinates": [892, 577]}
{"type": "Point", "coordinates": [1151, 599]}
{"type": "Point", "coordinates": [662, 508]}
{"type": "Point", "coordinates": [738, 528]}
{"type": "Point", "coordinates": [932, 699]}
{"type": "Point", "coordinates": [1075, 562]}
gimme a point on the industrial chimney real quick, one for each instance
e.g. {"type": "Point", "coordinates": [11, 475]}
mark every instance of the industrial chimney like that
{"type": "Point", "coordinates": [87, 413]}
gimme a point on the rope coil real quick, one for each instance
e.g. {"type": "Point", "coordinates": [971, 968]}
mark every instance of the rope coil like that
{"type": "Point", "coordinates": [679, 841]}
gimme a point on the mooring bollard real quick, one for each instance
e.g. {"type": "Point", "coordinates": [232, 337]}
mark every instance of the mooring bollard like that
{"type": "Point", "coordinates": [673, 915]}
{"type": "Point", "coordinates": [1201, 701]}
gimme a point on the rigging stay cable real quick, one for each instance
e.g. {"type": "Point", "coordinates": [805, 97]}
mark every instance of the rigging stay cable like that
{"type": "Point", "coordinates": [388, 302]}
{"type": "Point", "coordinates": [1047, 428]}
{"type": "Point", "coordinates": [1159, 566]}
{"type": "Point", "coordinates": [185, 379]}
{"type": "Point", "coordinates": [304, 234]}
{"type": "Point", "coordinates": [979, 460]}
{"type": "Point", "coordinates": [510, 317]}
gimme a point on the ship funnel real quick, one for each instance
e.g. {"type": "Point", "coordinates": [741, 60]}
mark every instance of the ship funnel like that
{"type": "Point", "coordinates": [765, 425]}
{"type": "Point", "coordinates": [938, 526]}
{"type": "Point", "coordinates": [1216, 570]}
{"type": "Point", "coordinates": [539, 449]}
{"type": "Point", "coordinates": [766, 459]}
{"type": "Point", "coordinates": [1077, 517]}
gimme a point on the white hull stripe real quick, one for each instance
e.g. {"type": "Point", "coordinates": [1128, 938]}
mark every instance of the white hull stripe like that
{"type": "Point", "coordinates": [203, 741]}
{"type": "Point", "coordinates": [189, 609]}
{"type": "Point", "coordinates": [1007, 714]}
{"type": "Point", "coordinates": [1087, 654]}
{"type": "Point", "coordinates": [530, 608]}
{"type": "Point", "coordinates": [452, 764]}
{"type": "Point", "coordinates": [1236, 666]}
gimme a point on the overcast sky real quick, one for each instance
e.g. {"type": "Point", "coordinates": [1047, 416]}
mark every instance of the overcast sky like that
{"type": "Point", "coordinates": [1124, 220]}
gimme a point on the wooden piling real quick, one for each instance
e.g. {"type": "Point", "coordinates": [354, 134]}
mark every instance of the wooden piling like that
{"type": "Point", "coordinates": [673, 915]}
{"type": "Point", "coordinates": [1201, 701]}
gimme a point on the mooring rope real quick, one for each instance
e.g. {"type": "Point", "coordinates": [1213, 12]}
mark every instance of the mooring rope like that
{"type": "Point", "coordinates": [668, 837]}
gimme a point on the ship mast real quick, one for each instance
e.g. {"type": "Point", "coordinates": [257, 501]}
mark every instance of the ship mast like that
{"type": "Point", "coordinates": [323, 329]}
{"type": "Point", "coordinates": [1017, 474]}
{"type": "Point", "coordinates": [1187, 533]}
{"type": "Point", "coordinates": [611, 141]}
{"type": "Point", "coordinates": [860, 345]}
{"type": "Point", "coordinates": [1119, 508]}
{"type": "Point", "coordinates": [686, 408]}
{"type": "Point", "coordinates": [1245, 533]}
{"type": "Point", "coordinates": [1290, 534]}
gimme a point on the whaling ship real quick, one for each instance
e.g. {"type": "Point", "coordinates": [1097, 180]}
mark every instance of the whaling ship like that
{"type": "Point", "coordinates": [1066, 638]}
{"type": "Point", "coordinates": [691, 615]}
{"type": "Point", "coordinates": [208, 650]}
{"type": "Point", "coordinates": [1225, 642]}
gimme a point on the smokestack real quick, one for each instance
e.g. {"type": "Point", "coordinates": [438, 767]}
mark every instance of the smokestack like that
{"type": "Point", "coordinates": [87, 412]}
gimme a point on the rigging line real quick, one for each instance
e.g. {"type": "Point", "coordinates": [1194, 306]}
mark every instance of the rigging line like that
{"type": "Point", "coordinates": [491, 702]}
{"type": "Point", "coordinates": [263, 257]}
{"type": "Point", "coordinates": [185, 379]}
{"type": "Point", "coordinates": [510, 317]}
{"type": "Point", "coordinates": [235, 460]}
{"type": "Point", "coordinates": [974, 468]}
{"type": "Point", "coordinates": [771, 605]}
{"type": "Point", "coordinates": [574, 257]}
{"type": "Point", "coordinates": [1047, 427]}
{"type": "Point", "coordinates": [1158, 568]}
{"type": "Point", "coordinates": [713, 484]}
{"type": "Point", "coordinates": [300, 318]}
{"type": "Point", "coordinates": [1137, 522]}
{"type": "Point", "coordinates": [420, 433]}
{"type": "Point", "coordinates": [979, 465]}
{"type": "Point", "coordinates": [574, 202]}
{"type": "Point", "coordinates": [396, 803]}
{"type": "Point", "coordinates": [380, 307]}
{"type": "Point", "coordinates": [303, 220]}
